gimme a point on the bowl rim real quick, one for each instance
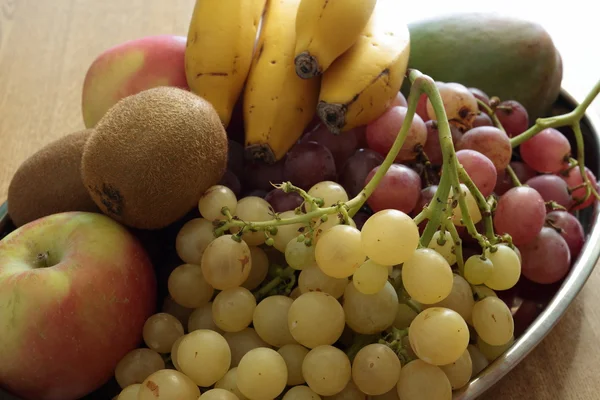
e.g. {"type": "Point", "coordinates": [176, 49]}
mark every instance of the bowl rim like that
{"type": "Point", "coordinates": [548, 318]}
{"type": "Point", "coordinates": [558, 304]}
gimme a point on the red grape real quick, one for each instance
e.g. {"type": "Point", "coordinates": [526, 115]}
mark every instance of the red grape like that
{"type": "Point", "coordinates": [399, 189]}
{"type": "Point", "coordinates": [382, 133]}
{"type": "Point", "coordinates": [520, 213]}
{"type": "Point", "coordinates": [399, 100]}
{"type": "Point", "coordinates": [546, 259]}
{"type": "Point", "coordinates": [432, 147]}
{"type": "Point", "coordinates": [422, 108]}
{"type": "Point", "coordinates": [551, 188]}
{"type": "Point", "coordinates": [341, 146]}
{"type": "Point", "coordinates": [513, 117]}
{"type": "Point", "coordinates": [504, 181]}
{"type": "Point", "coordinates": [357, 167]}
{"type": "Point", "coordinates": [571, 230]}
{"type": "Point", "coordinates": [480, 95]}
{"type": "Point", "coordinates": [480, 169]}
{"type": "Point", "coordinates": [282, 201]}
{"type": "Point", "coordinates": [259, 175]}
{"type": "Point", "coordinates": [230, 180]}
{"type": "Point", "coordinates": [482, 120]}
{"type": "Point", "coordinates": [425, 197]}
{"type": "Point", "coordinates": [309, 163]}
{"type": "Point", "coordinates": [489, 141]}
{"type": "Point", "coordinates": [546, 152]}
{"type": "Point", "coordinates": [575, 179]}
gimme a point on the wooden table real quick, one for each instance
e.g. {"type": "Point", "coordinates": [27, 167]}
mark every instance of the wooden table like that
{"type": "Point", "coordinates": [47, 45]}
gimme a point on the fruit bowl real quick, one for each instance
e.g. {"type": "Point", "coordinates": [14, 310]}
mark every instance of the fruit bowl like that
{"type": "Point", "coordinates": [536, 308]}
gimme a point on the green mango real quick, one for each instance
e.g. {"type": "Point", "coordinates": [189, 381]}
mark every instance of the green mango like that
{"type": "Point", "coordinates": [507, 57]}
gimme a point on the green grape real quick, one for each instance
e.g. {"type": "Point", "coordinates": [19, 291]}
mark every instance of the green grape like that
{"type": "Point", "coordinates": [168, 384]}
{"type": "Point", "coordinates": [316, 319]}
{"type": "Point", "coordinates": [301, 392]}
{"type": "Point", "coordinates": [229, 382]}
{"type": "Point", "coordinates": [370, 313]}
{"type": "Point", "coordinates": [493, 321]}
{"type": "Point", "coordinates": [218, 394]}
{"type": "Point", "coordinates": [214, 199]}
{"type": "Point", "coordinates": [232, 309]}
{"type": "Point", "coordinates": [202, 318]}
{"type": "Point", "coordinates": [420, 380]}
{"type": "Point", "coordinates": [404, 316]}
{"type": "Point", "coordinates": [478, 270]}
{"type": "Point", "coordinates": [193, 238]}
{"type": "Point", "coordinates": [350, 392]}
{"type": "Point", "coordinates": [507, 268]}
{"type": "Point", "coordinates": [313, 279]}
{"type": "Point", "coordinates": [242, 342]}
{"type": "Point", "coordinates": [226, 263]}
{"type": "Point", "coordinates": [327, 370]}
{"type": "Point", "coordinates": [271, 320]}
{"type": "Point", "coordinates": [370, 277]}
{"type": "Point", "coordinates": [438, 335]}
{"type": "Point", "coordinates": [259, 268]}
{"type": "Point", "coordinates": [375, 369]}
{"type": "Point", "coordinates": [389, 237]}
{"type": "Point", "coordinates": [137, 365]}
{"type": "Point", "coordinates": [187, 286]}
{"type": "Point", "coordinates": [253, 209]}
{"type": "Point", "coordinates": [130, 392]}
{"type": "Point", "coordinates": [331, 193]}
{"type": "Point", "coordinates": [338, 252]}
{"type": "Point", "coordinates": [262, 374]}
{"type": "Point", "coordinates": [478, 360]}
{"type": "Point", "coordinates": [460, 371]}
{"type": "Point", "coordinates": [460, 298]}
{"type": "Point", "coordinates": [285, 233]}
{"type": "Point", "coordinates": [447, 249]}
{"type": "Point", "coordinates": [294, 354]}
{"type": "Point", "coordinates": [492, 352]}
{"type": "Point", "coordinates": [197, 347]}
{"type": "Point", "coordinates": [298, 255]}
{"type": "Point", "coordinates": [481, 292]}
{"type": "Point", "coordinates": [472, 207]}
{"type": "Point", "coordinates": [427, 276]}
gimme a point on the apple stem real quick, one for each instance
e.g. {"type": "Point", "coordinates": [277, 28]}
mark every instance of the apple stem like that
{"type": "Point", "coordinates": [42, 260]}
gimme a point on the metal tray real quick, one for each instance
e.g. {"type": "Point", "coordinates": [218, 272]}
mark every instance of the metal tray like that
{"type": "Point", "coordinates": [551, 302]}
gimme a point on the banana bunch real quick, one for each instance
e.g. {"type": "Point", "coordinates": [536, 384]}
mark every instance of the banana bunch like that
{"type": "Point", "coordinates": [220, 46]}
{"type": "Point", "coordinates": [277, 104]}
{"type": "Point", "coordinates": [341, 60]}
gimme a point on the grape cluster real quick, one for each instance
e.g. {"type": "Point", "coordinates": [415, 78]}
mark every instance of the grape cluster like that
{"type": "Point", "coordinates": [339, 282]}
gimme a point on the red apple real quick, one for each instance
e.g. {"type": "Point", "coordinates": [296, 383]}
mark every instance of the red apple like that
{"type": "Point", "coordinates": [129, 68]}
{"type": "Point", "coordinates": [75, 290]}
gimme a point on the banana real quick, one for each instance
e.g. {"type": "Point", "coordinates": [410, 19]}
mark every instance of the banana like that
{"type": "Point", "coordinates": [359, 86]}
{"type": "Point", "coordinates": [326, 29]}
{"type": "Point", "coordinates": [277, 104]}
{"type": "Point", "coordinates": [220, 47]}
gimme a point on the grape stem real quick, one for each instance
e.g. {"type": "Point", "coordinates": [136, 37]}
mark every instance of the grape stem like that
{"type": "Point", "coordinates": [492, 115]}
{"type": "Point", "coordinates": [450, 169]}
{"type": "Point", "coordinates": [570, 118]}
{"type": "Point", "coordinates": [513, 176]}
{"type": "Point", "coordinates": [281, 276]}
{"type": "Point", "coordinates": [457, 246]}
{"type": "Point", "coordinates": [589, 189]}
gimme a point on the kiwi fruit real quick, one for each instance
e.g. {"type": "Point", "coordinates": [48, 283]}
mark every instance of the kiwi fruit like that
{"type": "Point", "coordinates": [49, 181]}
{"type": "Point", "coordinates": [153, 155]}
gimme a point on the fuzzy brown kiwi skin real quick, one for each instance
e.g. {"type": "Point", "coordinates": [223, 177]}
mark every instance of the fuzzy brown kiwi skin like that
{"type": "Point", "coordinates": [49, 181]}
{"type": "Point", "coordinates": [153, 155]}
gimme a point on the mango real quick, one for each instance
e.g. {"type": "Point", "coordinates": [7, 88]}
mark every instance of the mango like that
{"type": "Point", "coordinates": [511, 58]}
{"type": "Point", "coordinates": [129, 68]}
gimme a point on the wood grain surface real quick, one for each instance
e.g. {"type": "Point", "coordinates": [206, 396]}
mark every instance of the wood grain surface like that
{"type": "Point", "coordinates": [47, 45]}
